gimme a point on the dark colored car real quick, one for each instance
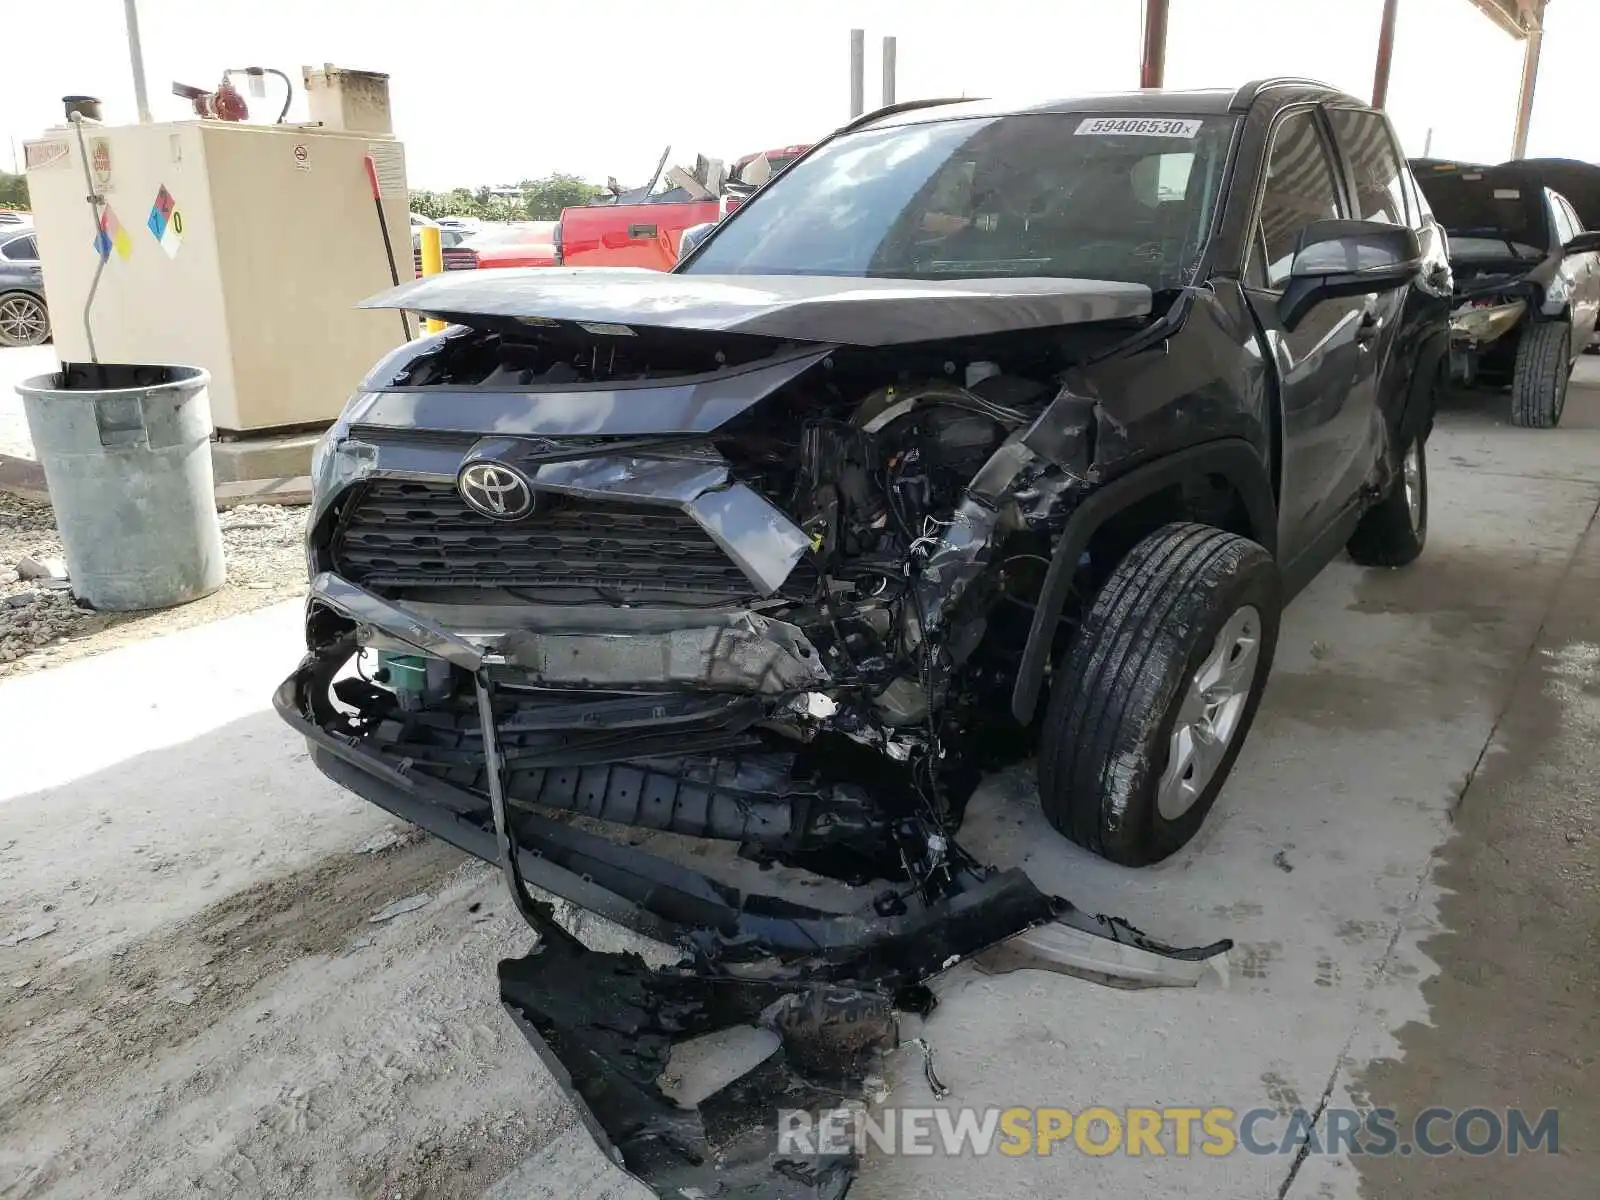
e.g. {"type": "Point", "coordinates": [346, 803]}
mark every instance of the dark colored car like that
{"type": "Point", "coordinates": [24, 317]}
{"type": "Point", "coordinates": [1527, 274]}
{"type": "Point", "coordinates": [978, 434]}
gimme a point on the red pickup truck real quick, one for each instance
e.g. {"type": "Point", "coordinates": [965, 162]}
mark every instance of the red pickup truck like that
{"type": "Point", "coordinates": [642, 228]}
{"type": "Point", "coordinates": [639, 227]}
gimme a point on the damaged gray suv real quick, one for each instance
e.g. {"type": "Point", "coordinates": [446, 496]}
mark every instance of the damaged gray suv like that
{"type": "Point", "coordinates": [978, 434]}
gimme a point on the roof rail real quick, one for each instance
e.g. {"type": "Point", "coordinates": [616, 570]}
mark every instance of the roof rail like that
{"type": "Point", "coordinates": [1247, 95]}
{"type": "Point", "coordinates": [889, 110]}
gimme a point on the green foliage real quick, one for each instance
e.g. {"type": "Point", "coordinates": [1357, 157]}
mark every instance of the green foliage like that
{"type": "Point", "coordinates": [462, 203]}
{"type": "Point", "coordinates": [13, 191]}
{"type": "Point", "coordinates": [543, 199]}
{"type": "Point", "coordinates": [539, 200]}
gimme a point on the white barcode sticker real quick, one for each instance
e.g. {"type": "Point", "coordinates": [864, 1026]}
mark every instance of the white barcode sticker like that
{"type": "Point", "coordinates": [1169, 127]}
{"type": "Point", "coordinates": [1507, 194]}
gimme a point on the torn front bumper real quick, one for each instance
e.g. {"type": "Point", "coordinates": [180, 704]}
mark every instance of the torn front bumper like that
{"type": "Point", "coordinates": [829, 984]}
{"type": "Point", "coordinates": [717, 924]}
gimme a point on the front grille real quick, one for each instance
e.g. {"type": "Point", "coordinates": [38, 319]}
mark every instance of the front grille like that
{"type": "Point", "coordinates": [459, 258]}
{"type": "Point", "coordinates": [408, 534]}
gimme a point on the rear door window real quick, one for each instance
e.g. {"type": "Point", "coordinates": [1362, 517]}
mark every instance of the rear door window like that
{"type": "Point", "coordinates": [1375, 165]}
{"type": "Point", "coordinates": [23, 249]}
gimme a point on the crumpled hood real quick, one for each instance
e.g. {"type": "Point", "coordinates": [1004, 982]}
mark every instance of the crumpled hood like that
{"type": "Point", "coordinates": [835, 309]}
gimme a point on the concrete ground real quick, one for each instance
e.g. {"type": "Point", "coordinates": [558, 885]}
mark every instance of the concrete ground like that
{"type": "Point", "coordinates": [16, 364]}
{"type": "Point", "coordinates": [1406, 854]}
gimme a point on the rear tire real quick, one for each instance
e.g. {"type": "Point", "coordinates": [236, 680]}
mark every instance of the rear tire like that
{"type": "Point", "coordinates": [1544, 365]}
{"type": "Point", "coordinates": [24, 320]}
{"type": "Point", "coordinates": [1157, 691]}
{"type": "Point", "coordinates": [1393, 531]}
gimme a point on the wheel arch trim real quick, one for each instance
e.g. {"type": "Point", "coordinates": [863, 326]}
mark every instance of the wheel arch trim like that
{"type": "Point", "coordinates": [1235, 459]}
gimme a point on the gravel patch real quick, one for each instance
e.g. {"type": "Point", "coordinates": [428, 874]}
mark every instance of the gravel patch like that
{"type": "Point", "coordinates": [42, 624]}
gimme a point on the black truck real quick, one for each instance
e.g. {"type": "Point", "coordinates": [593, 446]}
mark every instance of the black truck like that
{"type": "Point", "coordinates": [978, 434]}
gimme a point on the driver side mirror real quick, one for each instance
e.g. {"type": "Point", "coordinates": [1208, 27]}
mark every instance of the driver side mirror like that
{"type": "Point", "coordinates": [1348, 258]}
{"type": "Point", "coordinates": [1583, 243]}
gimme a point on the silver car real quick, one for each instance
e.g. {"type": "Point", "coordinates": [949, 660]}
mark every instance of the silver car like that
{"type": "Point", "coordinates": [24, 317]}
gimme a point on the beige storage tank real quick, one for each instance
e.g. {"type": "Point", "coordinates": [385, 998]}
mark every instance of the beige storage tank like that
{"type": "Point", "coordinates": [238, 248]}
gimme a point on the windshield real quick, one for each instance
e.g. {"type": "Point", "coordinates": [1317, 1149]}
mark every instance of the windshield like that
{"type": "Point", "coordinates": [1059, 195]}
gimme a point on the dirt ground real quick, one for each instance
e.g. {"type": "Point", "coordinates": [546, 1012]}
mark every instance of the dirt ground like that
{"type": "Point", "coordinates": [41, 626]}
{"type": "Point", "coordinates": [290, 1040]}
{"type": "Point", "coordinates": [139, 1051]}
{"type": "Point", "coordinates": [222, 975]}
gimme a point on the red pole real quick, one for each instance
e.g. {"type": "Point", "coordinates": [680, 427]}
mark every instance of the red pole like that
{"type": "Point", "coordinates": [1153, 65]}
{"type": "Point", "coordinates": [1380, 77]}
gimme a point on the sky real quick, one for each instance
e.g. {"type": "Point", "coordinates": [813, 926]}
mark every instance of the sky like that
{"type": "Point", "coordinates": [493, 91]}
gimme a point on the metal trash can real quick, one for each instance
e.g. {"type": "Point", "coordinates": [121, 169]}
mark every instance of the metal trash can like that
{"type": "Point", "coordinates": [126, 452]}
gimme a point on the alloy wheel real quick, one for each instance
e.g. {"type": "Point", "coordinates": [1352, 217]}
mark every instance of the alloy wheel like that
{"type": "Point", "coordinates": [1211, 713]}
{"type": "Point", "coordinates": [1411, 472]}
{"type": "Point", "coordinates": [23, 321]}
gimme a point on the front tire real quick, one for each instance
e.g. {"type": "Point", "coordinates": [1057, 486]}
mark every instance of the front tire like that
{"type": "Point", "coordinates": [1157, 692]}
{"type": "Point", "coordinates": [1544, 365]}
{"type": "Point", "coordinates": [1393, 531]}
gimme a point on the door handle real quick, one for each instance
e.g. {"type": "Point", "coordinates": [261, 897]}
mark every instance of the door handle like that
{"type": "Point", "coordinates": [641, 231]}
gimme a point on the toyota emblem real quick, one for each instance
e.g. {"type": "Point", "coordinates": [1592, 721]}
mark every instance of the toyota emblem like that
{"type": "Point", "coordinates": [495, 490]}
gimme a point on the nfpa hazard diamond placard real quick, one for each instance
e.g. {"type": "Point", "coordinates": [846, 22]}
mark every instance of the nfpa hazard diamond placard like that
{"type": "Point", "coordinates": [166, 222]}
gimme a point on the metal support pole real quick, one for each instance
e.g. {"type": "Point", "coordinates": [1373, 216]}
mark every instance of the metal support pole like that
{"type": "Point", "coordinates": [1153, 65]}
{"type": "Point", "coordinates": [141, 97]}
{"type": "Point", "coordinates": [1530, 78]}
{"type": "Point", "coordinates": [858, 72]}
{"type": "Point", "coordinates": [1380, 75]}
{"type": "Point", "coordinates": [888, 71]}
{"type": "Point", "coordinates": [101, 243]}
